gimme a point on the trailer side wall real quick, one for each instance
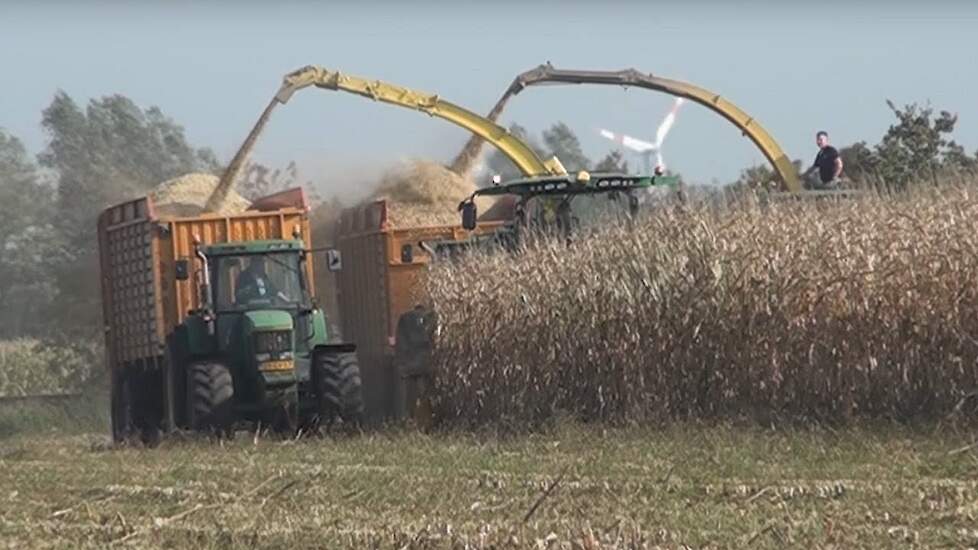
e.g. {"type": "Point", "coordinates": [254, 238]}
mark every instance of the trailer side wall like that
{"type": "Point", "coordinates": [141, 299]}
{"type": "Point", "coordinates": [376, 287]}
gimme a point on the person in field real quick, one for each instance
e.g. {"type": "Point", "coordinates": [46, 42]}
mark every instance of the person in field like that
{"type": "Point", "coordinates": [828, 163]}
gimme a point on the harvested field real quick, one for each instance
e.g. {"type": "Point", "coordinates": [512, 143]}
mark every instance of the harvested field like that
{"type": "Point", "coordinates": [693, 485]}
{"type": "Point", "coordinates": [865, 309]}
{"type": "Point", "coordinates": [187, 195]}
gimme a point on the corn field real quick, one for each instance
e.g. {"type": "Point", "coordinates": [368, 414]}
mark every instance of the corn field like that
{"type": "Point", "coordinates": [827, 312]}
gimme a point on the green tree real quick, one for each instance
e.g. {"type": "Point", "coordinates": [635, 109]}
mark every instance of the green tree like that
{"type": "Point", "coordinates": [758, 177]}
{"type": "Point", "coordinates": [498, 163]}
{"type": "Point", "coordinates": [28, 241]}
{"type": "Point", "coordinates": [558, 140]}
{"type": "Point", "coordinates": [916, 147]}
{"type": "Point", "coordinates": [562, 142]}
{"type": "Point", "coordinates": [614, 161]}
{"type": "Point", "coordinates": [859, 162]}
{"type": "Point", "coordinates": [112, 151]}
{"type": "Point", "coordinates": [957, 160]}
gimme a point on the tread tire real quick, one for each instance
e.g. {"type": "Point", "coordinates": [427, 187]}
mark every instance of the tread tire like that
{"type": "Point", "coordinates": [211, 399]}
{"type": "Point", "coordinates": [339, 388]}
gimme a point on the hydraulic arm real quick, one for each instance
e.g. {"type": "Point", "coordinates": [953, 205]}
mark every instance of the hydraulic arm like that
{"type": "Point", "coordinates": [516, 150]}
{"type": "Point", "coordinates": [631, 77]}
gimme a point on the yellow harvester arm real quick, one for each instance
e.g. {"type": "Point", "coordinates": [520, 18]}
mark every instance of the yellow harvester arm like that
{"type": "Point", "coordinates": [515, 149]}
{"type": "Point", "coordinates": [631, 77]}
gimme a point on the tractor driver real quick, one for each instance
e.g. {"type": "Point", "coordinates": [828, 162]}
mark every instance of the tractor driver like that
{"type": "Point", "coordinates": [253, 283]}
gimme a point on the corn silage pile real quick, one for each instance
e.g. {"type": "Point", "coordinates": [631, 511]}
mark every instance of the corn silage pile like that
{"type": "Point", "coordinates": [795, 311]}
{"type": "Point", "coordinates": [187, 195]}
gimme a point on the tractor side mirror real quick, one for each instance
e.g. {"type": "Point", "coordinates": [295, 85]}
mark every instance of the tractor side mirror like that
{"type": "Point", "coordinates": [407, 254]}
{"type": "Point", "coordinates": [334, 261]}
{"type": "Point", "coordinates": [182, 270]}
{"type": "Point", "coordinates": [469, 214]}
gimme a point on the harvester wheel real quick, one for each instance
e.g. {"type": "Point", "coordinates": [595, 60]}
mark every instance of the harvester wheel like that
{"type": "Point", "coordinates": [338, 388]}
{"type": "Point", "coordinates": [211, 399]}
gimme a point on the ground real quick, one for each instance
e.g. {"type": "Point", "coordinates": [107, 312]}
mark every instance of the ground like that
{"type": "Point", "coordinates": [689, 484]}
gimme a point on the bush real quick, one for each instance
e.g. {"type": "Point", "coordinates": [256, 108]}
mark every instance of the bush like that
{"type": "Point", "coordinates": [34, 367]}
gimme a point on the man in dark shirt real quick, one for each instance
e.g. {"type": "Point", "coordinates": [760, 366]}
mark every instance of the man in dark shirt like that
{"type": "Point", "coordinates": [827, 162]}
{"type": "Point", "coordinates": [254, 283]}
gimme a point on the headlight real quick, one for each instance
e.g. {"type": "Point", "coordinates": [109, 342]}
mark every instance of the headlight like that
{"type": "Point", "coordinates": [276, 341]}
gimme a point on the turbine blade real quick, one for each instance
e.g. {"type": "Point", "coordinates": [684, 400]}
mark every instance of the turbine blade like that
{"type": "Point", "coordinates": [667, 122]}
{"type": "Point", "coordinates": [636, 144]}
{"type": "Point", "coordinates": [628, 141]}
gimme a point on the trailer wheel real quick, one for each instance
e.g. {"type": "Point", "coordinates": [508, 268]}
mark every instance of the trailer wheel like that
{"type": "Point", "coordinates": [211, 399]}
{"type": "Point", "coordinates": [146, 404]}
{"type": "Point", "coordinates": [339, 390]}
{"type": "Point", "coordinates": [120, 409]}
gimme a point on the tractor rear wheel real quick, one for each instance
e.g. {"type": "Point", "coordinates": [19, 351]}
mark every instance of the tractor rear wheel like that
{"type": "Point", "coordinates": [339, 389]}
{"type": "Point", "coordinates": [211, 399]}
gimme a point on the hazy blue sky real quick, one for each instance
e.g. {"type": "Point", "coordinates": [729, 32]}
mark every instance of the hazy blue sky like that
{"type": "Point", "coordinates": [212, 66]}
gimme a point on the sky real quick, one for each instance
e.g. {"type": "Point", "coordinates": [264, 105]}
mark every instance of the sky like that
{"type": "Point", "coordinates": [213, 66]}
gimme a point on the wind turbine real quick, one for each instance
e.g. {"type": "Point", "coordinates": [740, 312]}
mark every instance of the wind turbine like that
{"type": "Point", "coordinates": [645, 148]}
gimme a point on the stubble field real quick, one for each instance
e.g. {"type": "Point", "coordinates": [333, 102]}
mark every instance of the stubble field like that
{"type": "Point", "coordinates": [696, 485]}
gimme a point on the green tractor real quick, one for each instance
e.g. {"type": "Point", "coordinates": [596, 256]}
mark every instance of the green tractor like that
{"type": "Point", "coordinates": [209, 335]}
{"type": "Point", "coordinates": [259, 350]}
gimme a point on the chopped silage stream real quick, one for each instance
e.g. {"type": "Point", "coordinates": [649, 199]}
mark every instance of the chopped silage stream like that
{"type": "Point", "coordinates": [422, 193]}
{"type": "Point", "coordinates": [418, 193]}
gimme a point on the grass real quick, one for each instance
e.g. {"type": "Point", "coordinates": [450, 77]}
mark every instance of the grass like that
{"type": "Point", "coordinates": [86, 412]}
{"type": "Point", "coordinates": [688, 484]}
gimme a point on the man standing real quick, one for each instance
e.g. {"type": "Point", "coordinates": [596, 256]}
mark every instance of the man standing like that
{"type": "Point", "coordinates": [827, 162]}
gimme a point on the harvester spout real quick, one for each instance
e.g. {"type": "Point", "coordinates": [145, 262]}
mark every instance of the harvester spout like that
{"type": "Point", "coordinates": [216, 201]}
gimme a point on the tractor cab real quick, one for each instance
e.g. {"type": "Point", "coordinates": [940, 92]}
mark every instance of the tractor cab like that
{"type": "Point", "coordinates": [263, 307]}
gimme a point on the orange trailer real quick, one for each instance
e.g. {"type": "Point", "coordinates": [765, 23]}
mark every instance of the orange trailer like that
{"type": "Point", "coordinates": [383, 278]}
